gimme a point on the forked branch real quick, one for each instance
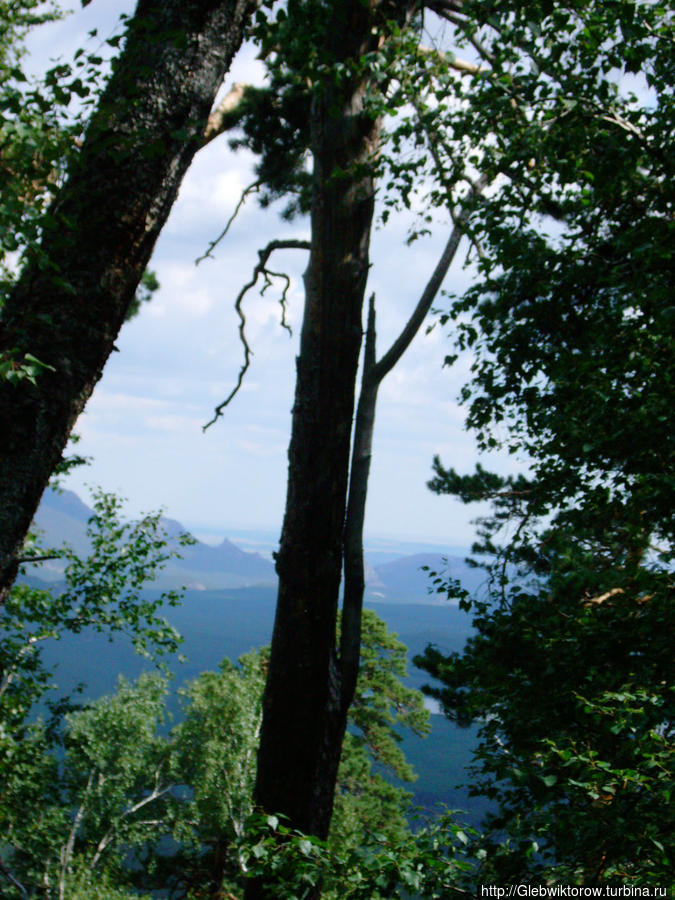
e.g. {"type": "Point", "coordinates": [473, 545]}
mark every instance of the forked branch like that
{"type": "Point", "coordinates": [373, 374]}
{"type": "Point", "coordinates": [414, 323]}
{"type": "Point", "coordinates": [260, 269]}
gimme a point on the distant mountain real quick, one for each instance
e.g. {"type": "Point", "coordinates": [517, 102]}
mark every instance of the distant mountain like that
{"type": "Point", "coordinates": [407, 580]}
{"type": "Point", "coordinates": [62, 518]}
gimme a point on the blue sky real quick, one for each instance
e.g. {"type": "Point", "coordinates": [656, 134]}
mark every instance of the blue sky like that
{"type": "Point", "coordinates": [181, 356]}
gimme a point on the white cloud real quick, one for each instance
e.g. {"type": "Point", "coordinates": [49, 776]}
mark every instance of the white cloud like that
{"type": "Point", "coordinates": [182, 354]}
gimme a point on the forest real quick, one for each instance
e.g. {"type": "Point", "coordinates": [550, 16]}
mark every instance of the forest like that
{"type": "Point", "coordinates": [537, 139]}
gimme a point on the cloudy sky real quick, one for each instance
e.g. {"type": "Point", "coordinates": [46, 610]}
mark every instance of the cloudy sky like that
{"type": "Point", "coordinates": [181, 356]}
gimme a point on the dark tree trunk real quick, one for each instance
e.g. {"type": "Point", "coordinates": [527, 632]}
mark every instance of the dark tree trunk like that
{"type": "Point", "coordinates": [373, 374]}
{"type": "Point", "coordinates": [353, 564]}
{"type": "Point", "coordinates": [304, 713]}
{"type": "Point", "coordinates": [73, 295]}
{"type": "Point", "coordinates": [310, 684]}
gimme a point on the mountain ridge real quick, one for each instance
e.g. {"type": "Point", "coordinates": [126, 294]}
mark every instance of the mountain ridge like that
{"type": "Point", "coordinates": [62, 518]}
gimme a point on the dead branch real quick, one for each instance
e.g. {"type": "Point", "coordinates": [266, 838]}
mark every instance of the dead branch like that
{"type": "Point", "coordinates": [373, 373]}
{"type": "Point", "coordinates": [36, 559]}
{"type": "Point", "coordinates": [250, 189]}
{"type": "Point", "coordinates": [269, 274]}
{"type": "Point", "coordinates": [260, 269]}
{"type": "Point", "coordinates": [597, 601]}
{"type": "Point", "coordinates": [352, 540]}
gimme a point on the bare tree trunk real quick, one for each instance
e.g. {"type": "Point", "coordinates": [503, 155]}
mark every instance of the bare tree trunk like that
{"type": "Point", "coordinates": [304, 713]}
{"type": "Point", "coordinates": [373, 374]}
{"type": "Point", "coordinates": [354, 570]}
{"type": "Point", "coordinates": [310, 684]}
{"type": "Point", "coordinates": [73, 295]}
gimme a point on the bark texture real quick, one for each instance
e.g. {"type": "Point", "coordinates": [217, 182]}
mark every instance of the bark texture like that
{"type": "Point", "coordinates": [311, 684]}
{"type": "Point", "coordinates": [72, 298]}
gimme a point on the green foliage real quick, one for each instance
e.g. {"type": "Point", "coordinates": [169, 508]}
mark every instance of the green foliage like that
{"type": "Point", "coordinates": [382, 706]}
{"type": "Point", "coordinates": [570, 671]}
{"type": "Point", "coordinates": [275, 120]}
{"type": "Point", "coordinates": [105, 795]}
{"type": "Point", "coordinates": [67, 463]}
{"type": "Point", "coordinates": [214, 759]}
{"type": "Point", "coordinates": [40, 122]}
{"type": "Point", "coordinates": [215, 756]}
{"type": "Point", "coordinates": [431, 864]}
{"type": "Point", "coordinates": [85, 886]}
{"type": "Point", "coordinates": [30, 138]}
{"type": "Point", "coordinates": [148, 286]}
{"type": "Point", "coordinates": [103, 592]}
{"type": "Point", "coordinates": [382, 703]}
{"type": "Point", "coordinates": [112, 747]}
{"type": "Point", "coordinates": [14, 369]}
{"type": "Point", "coordinates": [102, 795]}
{"type": "Point", "coordinates": [575, 693]}
{"type": "Point", "coordinates": [41, 125]}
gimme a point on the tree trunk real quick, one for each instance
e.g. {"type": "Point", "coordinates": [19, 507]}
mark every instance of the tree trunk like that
{"type": "Point", "coordinates": [310, 685]}
{"type": "Point", "coordinates": [73, 295]}
{"type": "Point", "coordinates": [304, 713]}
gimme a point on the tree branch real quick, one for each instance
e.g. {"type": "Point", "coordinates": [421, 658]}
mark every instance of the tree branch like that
{"type": "Point", "coordinates": [250, 189]}
{"type": "Point", "coordinates": [224, 115]}
{"type": "Point", "coordinates": [17, 884]}
{"type": "Point", "coordinates": [443, 7]}
{"type": "Point", "coordinates": [373, 373]}
{"type": "Point", "coordinates": [467, 27]}
{"type": "Point", "coordinates": [260, 269]}
{"type": "Point", "coordinates": [36, 559]}
{"type": "Point", "coordinates": [67, 851]}
{"type": "Point", "coordinates": [455, 62]}
{"type": "Point", "coordinates": [354, 576]}
{"type": "Point", "coordinates": [108, 836]}
{"type": "Point", "coordinates": [11, 671]}
{"type": "Point", "coordinates": [403, 341]}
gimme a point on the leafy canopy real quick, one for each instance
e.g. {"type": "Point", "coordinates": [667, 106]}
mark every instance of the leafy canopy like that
{"type": "Point", "coordinates": [570, 323]}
